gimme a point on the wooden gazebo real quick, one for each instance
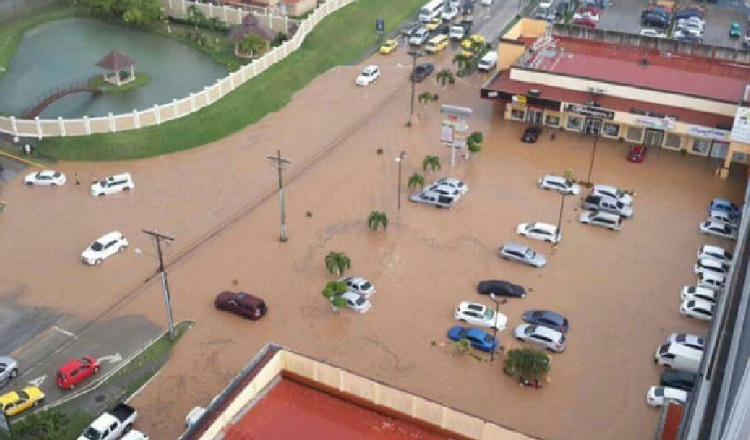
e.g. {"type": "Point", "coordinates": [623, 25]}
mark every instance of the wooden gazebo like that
{"type": "Point", "coordinates": [118, 68]}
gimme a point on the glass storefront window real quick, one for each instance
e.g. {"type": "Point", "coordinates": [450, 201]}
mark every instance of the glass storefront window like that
{"type": "Point", "coordinates": [575, 123]}
{"type": "Point", "coordinates": [700, 146]}
{"type": "Point", "coordinates": [611, 130]}
{"type": "Point", "coordinates": [553, 120]}
{"type": "Point", "coordinates": [634, 134]}
{"type": "Point", "coordinates": [518, 114]}
{"type": "Point", "coordinates": [673, 141]}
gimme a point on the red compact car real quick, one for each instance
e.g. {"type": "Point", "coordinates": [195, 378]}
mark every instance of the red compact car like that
{"type": "Point", "coordinates": [76, 371]}
{"type": "Point", "coordinates": [637, 153]}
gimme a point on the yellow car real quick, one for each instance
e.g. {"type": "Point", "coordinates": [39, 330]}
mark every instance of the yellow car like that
{"type": "Point", "coordinates": [388, 46]}
{"type": "Point", "coordinates": [432, 25]}
{"type": "Point", "coordinates": [17, 402]}
{"type": "Point", "coordinates": [472, 41]}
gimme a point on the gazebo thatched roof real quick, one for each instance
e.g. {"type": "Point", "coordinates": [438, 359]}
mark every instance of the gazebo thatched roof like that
{"type": "Point", "coordinates": [237, 34]}
{"type": "Point", "coordinates": [116, 61]}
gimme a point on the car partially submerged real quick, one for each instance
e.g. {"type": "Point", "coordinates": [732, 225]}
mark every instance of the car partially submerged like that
{"type": "Point", "coordinates": [500, 288]}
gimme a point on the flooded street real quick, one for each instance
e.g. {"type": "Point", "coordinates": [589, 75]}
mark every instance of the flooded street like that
{"type": "Point", "coordinates": [620, 290]}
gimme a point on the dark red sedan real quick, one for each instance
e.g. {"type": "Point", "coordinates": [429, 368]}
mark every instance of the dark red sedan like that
{"type": "Point", "coordinates": [637, 153]}
{"type": "Point", "coordinates": [76, 371]}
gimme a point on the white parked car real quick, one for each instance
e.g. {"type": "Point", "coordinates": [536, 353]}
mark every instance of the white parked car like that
{"type": "Point", "coordinates": [545, 4]}
{"type": "Point", "coordinates": [696, 308]}
{"type": "Point", "coordinates": [548, 338]}
{"type": "Point", "coordinates": [433, 198]}
{"type": "Point", "coordinates": [135, 435]}
{"type": "Point", "coordinates": [702, 293]}
{"type": "Point", "coordinates": [687, 339]}
{"type": "Point", "coordinates": [359, 285]}
{"type": "Point", "coordinates": [113, 184]}
{"type": "Point", "coordinates": [459, 185]}
{"type": "Point", "coordinates": [600, 218]}
{"type": "Point", "coordinates": [710, 265]}
{"type": "Point", "coordinates": [711, 280]}
{"type": "Point", "coordinates": [368, 76]}
{"type": "Point", "coordinates": [653, 33]}
{"type": "Point", "coordinates": [540, 231]}
{"type": "Point", "coordinates": [559, 184]}
{"type": "Point", "coordinates": [718, 229]}
{"type": "Point", "coordinates": [479, 314]}
{"type": "Point", "coordinates": [658, 396]}
{"type": "Point", "coordinates": [724, 217]}
{"type": "Point", "coordinates": [715, 252]}
{"type": "Point", "coordinates": [104, 247]}
{"type": "Point", "coordinates": [357, 302]}
{"type": "Point", "coordinates": [46, 177]}
{"type": "Point", "coordinates": [419, 37]}
{"type": "Point", "coordinates": [613, 192]}
{"type": "Point", "coordinates": [449, 14]}
{"type": "Point", "coordinates": [446, 190]}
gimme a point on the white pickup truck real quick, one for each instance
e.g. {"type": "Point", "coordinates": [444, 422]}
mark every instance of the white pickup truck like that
{"type": "Point", "coordinates": [112, 424]}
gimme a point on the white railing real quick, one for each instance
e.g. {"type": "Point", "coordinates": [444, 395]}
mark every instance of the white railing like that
{"type": "Point", "coordinates": [158, 114]}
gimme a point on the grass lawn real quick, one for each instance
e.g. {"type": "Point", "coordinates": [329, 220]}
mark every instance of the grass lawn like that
{"type": "Point", "coordinates": [141, 79]}
{"type": "Point", "coordinates": [335, 41]}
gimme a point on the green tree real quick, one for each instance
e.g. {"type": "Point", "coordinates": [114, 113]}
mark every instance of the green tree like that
{"type": "Point", "coordinates": [49, 424]}
{"type": "Point", "coordinates": [461, 62]}
{"type": "Point", "coordinates": [377, 219]}
{"type": "Point", "coordinates": [195, 16]}
{"type": "Point", "coordinates": [431, 163]}
{"type": "Point", "coordinates": [427, 96]}
{"type": "Point", "coordinates": [474, 141]}
{"type": "Point", "coordinates": [463, 346]}
{"type": "Point", "coordinates": [332, 292]}
{"type": "Point", "coordinates": [569, 176]}
{"type": "Point", "coordinates": [445, 76]}
{"type": "Point", "coordinates": [251, 44]}
{"type": "Point", "coordinates": [416, 180]}
{"type": "Point", "coordinates": [99, 8]}
{"type": "Point", "coordinates": [337, 263]}
{"type": "Point", "coordinates": [528, 363]}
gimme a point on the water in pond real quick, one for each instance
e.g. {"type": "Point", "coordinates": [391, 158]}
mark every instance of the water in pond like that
{"type": "Point", "coordinates": [66, 51]}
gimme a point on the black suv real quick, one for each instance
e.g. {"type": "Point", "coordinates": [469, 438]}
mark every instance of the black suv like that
{"type": "Point", "coordinates": [422, 71]}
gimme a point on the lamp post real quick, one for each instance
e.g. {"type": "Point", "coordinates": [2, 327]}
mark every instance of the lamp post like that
{"type": "Point", "coordinates": [280, 164]}
{"type": "Point", "coordinates": [593, 153]}
{"type": "Point", "coordinates": [559, 218]}
{"type": "Point", "coordinates": [400, 161]}
{"type": "Point", "coordinates": [164, 285]}
{"type": "Point", "coordinates": [494, 325]}
{"type": "Point", "coordinates": [414, 55]}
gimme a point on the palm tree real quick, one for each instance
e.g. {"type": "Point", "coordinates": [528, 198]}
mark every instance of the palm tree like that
{"type": "Point", "coordinates": [337, 263]}
{"type": "Point", "coordinates": [427, 96]}
{"type": "Point", "coordinates": [474, 141]}
{"type": "Point", "coordinates": [332, 292]}
{"type": "Point", "coordinates": [568, 175]}
{"type": "Point", "coordinates": [377, 219]}
{"type": "Point", "coordinates": [432, 163]}
{"type": "Point", "coordinates": [445, 76]}
{"type": "Point", "coordinates": [527, 363]}
{"type": "Point", "coordinates": [416, 180]}
{"type": "Point", "coordinates": [460, 62]}
{"type": "Point", "coordinates": [251, 44]}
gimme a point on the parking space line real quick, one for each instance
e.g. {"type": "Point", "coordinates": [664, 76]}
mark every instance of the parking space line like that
{"type": "Point", "coordinates": [63, 331]}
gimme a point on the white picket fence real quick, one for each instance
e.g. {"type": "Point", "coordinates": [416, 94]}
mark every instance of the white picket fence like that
{"type": "Point", "coordinates": [41, 128]}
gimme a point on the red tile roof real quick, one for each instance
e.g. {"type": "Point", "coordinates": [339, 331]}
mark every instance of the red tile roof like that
{"type": "Point", "coordinates": [622, 64]}
{"type": "Point", "coordinates": [503, 83]}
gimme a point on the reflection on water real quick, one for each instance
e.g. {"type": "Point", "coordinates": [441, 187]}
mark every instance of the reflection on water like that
{"type": "Point", "coordinates": [66, 51]}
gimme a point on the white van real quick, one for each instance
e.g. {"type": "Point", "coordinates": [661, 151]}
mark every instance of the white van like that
{"type": "Point", "coordinates": [113, 184]}
{"type": "Point", "coordinates": [710, 280]}
{"type": "Point", "coordinates": [678, 357]}
{"type": "Point", "coordinates": [431, 10]}
{"type": "Point", "coordinates": [488, 61]}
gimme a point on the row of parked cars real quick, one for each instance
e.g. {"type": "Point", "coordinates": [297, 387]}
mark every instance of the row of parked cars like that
{"type": "Point", "coordinates": [442, 193]}
{"type": "Point", "coordinates": [682, 352]}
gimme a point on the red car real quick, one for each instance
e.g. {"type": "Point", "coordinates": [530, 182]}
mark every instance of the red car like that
{"type": "Point", "coordinates": [76, 371]}
{"type": "Point", "coordinates": [637, 153]}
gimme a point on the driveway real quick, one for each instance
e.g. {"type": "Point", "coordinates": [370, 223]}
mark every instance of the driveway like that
{"type": "Point", "coordinates": [620, 290]}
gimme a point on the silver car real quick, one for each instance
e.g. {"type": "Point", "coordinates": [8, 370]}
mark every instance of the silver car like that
{"type": "Point", "coordinates": [522, 254]}
{"type": "Point", "coordinates": [8, 369]}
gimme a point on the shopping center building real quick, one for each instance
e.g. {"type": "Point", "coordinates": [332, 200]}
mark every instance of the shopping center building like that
{"type": "Point", "coordinates": [636, 89]}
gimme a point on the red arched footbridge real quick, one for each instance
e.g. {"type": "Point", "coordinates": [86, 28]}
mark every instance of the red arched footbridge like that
{"type": "Point", "coordinates": [59, 93]}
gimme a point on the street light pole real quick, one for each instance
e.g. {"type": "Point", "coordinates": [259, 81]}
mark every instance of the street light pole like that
{"type": "Point", "coordinates": [164, 284]}
{"type": "Point", "coordinates": [399, 161]}
{"type": "Point", "coordinates": [414, 55]}
{"type": "Point", "coordinates": [280, 163]}
{"type": "Point", "coordinates": [494, 326]}
{"type": "Point", "coordinates": [593, 154]}
{"type": "Point", "coordinates": [559, 218]}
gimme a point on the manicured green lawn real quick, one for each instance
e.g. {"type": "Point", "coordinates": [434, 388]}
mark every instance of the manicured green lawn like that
{"type": "Point", "coordinates": [335, 41]}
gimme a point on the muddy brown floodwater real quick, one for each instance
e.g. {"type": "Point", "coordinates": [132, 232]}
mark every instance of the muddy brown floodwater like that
{"type": "Point", "coordinates": [619, 290]}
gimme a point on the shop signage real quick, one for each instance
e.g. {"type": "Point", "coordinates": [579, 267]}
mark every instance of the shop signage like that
{"type": "Point", "coordinates": [520, 99]}
{"type": "Point", "coordinates": [660, 124]}
{"type": "Point", "coordinates": [741, 127]}
{"type": "Point", "coordinates": [585, 110]}
{"type": "Point", "coordinates": [709, 133]}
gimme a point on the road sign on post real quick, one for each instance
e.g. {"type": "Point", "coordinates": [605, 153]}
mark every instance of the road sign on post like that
{"type": "Point", "coordinates": [380, 26]}
{"type": "Point", "coordinates": [454, 129]}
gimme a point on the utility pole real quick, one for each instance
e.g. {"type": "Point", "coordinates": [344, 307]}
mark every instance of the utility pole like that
{"type": "Point", "coordinates": [280, 163]}
{"type": "Point", "coordinates": [399, 161]}
{"type": "Point", "coordinates": [414, 55]}
{"type": "Point", "coordinates": [164, 285]}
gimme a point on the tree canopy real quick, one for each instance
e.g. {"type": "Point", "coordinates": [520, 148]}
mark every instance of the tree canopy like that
{"type": "Point", "coordinates": [136, 12]}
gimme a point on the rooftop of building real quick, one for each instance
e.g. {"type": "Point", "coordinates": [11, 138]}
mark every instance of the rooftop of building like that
{"type": "Point", "coordinates": [639, 66]}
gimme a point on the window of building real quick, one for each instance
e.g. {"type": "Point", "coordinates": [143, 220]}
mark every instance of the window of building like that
{"type": "Point", "coordinates": [518, 114]}
{"type": "Point", "coordinates": [634, 134]}
{"type": "Point", "coordinates": [552, 119]}
{"type": "Point", "coordinates": [575, 123]}
{"type": "Point", "coordinates": [673, 141]}
{"type": "Point", "coordinates": [611, 130]}
{"type": "Point", "coordinates": [700, 146]}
